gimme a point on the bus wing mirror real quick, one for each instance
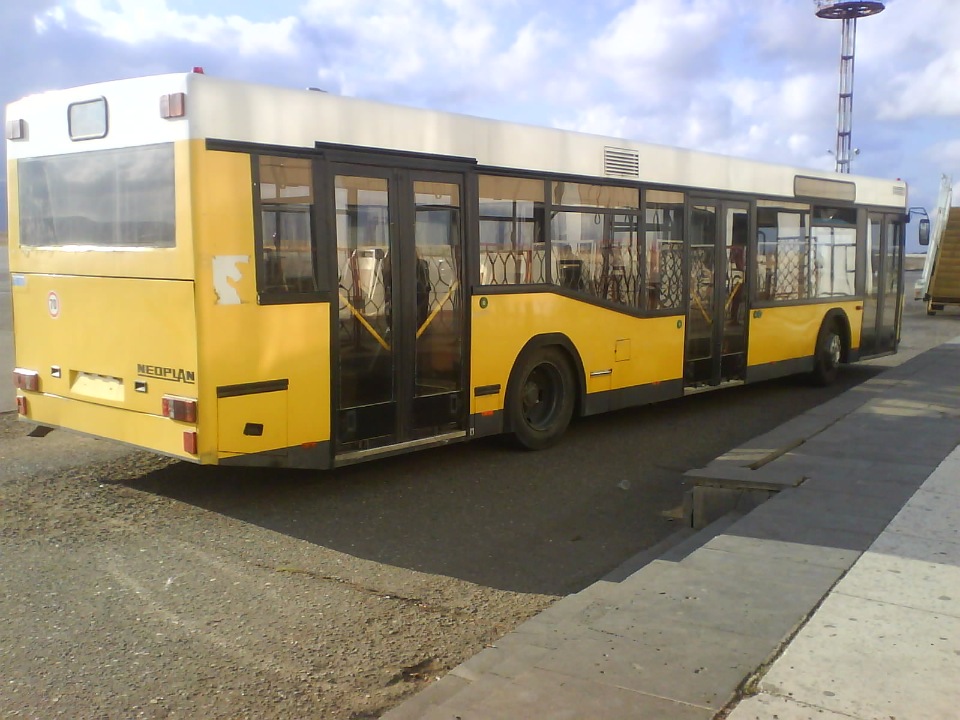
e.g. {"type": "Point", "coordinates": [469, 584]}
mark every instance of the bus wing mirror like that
{"type": "Point", "coordinates": [923, 231]}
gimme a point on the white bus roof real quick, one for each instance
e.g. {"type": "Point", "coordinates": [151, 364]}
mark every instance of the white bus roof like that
{"type": "Point", "coordinates": [222, 109]}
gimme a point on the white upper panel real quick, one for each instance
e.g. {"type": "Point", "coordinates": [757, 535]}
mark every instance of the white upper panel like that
{"type": "Point", "coordinates": [229, 110]}
{"type": "Point", "coordinates": [133, 118]}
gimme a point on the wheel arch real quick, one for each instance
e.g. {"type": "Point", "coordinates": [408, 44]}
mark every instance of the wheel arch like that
{"type": "Point", "coordinates": [539, 342]}
{"type": "Point", "coordinates": [838, 318]}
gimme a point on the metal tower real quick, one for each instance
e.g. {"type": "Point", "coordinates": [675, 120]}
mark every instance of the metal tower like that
{"type": "Point", "coordinates": [848, 11]}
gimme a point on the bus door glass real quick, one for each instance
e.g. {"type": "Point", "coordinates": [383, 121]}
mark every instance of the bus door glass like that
{"type": "Point", "coordinates": [882, 285]}
{"type": "Point", "coordinates": [717, 243]}
{"type": "Point", "coordinates": [399, 338]}
{"type": "Point", "coordinates": [891, 290]}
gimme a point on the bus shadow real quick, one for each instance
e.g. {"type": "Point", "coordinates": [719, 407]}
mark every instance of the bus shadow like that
{"type": "Point", "coordinates": [549, 522]}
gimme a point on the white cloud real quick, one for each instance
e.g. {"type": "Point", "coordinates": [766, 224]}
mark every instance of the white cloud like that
{"type": "Point", "coordinates": [911, 50]}
{"type": "Point", "coordinates": [654, 50]}
{"type": "Point", "coordinates": [947, 154]}
{"type": "Point", "coordinates": [43, 21]}
{"type": "Point", "coordinates": [757, 79]}
{"type": "Point", "coordinates": [138, 21]}
{"type": "Point", "coordinates": [789, 31]}
{"type": "Point", "coordinates": [931, 90]}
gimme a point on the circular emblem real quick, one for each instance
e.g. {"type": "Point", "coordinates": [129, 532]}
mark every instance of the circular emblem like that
{"type": "Point", "coordinates": [53, 304]}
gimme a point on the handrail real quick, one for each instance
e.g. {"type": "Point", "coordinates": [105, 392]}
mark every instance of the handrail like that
{"type": "Point", "coordinates": [939, 226]}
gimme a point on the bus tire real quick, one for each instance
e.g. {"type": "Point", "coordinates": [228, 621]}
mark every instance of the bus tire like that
{"type": "Point", "coordinates": [829, 351]}
{"type": "Point", "coordinates": [542, 400]}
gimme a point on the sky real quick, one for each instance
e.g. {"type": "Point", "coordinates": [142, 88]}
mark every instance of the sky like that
{"type": "Point", "coordinates": [749, 78]}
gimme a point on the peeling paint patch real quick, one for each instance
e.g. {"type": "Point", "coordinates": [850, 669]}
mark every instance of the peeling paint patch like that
{"type": "Point", "coordinates": [226, 268]}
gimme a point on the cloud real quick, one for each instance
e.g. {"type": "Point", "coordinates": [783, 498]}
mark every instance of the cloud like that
{"type": "Point", "coordinates": [652, 49]}
{"type": "Point", "coordinates": [931, 90]}
{"type": "Point", "coordinates": [139, 21]}
{"type": "Point", "coordinates": [43, 21]}
{"type": "Point", "coordinates": [751, 79]}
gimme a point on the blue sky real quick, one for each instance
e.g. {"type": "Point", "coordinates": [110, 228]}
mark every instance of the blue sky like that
{"type": "Point", "coordinates": [740, 77]}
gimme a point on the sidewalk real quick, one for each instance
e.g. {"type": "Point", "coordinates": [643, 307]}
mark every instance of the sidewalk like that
{"type": "Point", "coordinates": [837, 598]}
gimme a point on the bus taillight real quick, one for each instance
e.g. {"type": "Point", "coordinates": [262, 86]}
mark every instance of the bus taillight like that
{"type": "Point", "coordinates": [190, 441]}
{"type": "Point", "coordinates": [22, 405]}
{"type": "Point", "coordinates": [178, 408]}
{"type": "Point", "coordinates": [26, 379]}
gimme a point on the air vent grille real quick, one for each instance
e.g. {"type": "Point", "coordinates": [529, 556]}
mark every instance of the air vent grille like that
{"type": "Point", "coordinates": [899, 191]}
{"type": "Point", "coordinates": [618, 162]}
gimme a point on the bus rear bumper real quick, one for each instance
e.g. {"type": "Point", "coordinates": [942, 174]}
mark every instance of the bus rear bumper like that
{"type": "Point", "coordinates": [149, 432]}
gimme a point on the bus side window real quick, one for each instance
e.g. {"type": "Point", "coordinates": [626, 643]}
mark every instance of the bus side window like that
{"type": "Point", "coordinates": [663, 234]}
{"type": "Point", "coordinates": [785, 266]}
{"type": "Point", "coordinates": [286, 264]}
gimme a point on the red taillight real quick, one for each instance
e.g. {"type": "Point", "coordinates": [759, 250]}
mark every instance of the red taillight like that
{"type": "Point", "coordinates": [190, 441]}
{"type": "Point", "coordinates": [21, 405]}
{"type": "Point", "coordinates": [178, 408]}
{"type": "Point", "coordinates": [26, 379]}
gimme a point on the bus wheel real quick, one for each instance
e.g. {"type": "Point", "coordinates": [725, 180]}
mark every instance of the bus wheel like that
{"type": "Point", "coordinates": [541, 402]}
{"type": "Point", "coordinates": [826, 361]}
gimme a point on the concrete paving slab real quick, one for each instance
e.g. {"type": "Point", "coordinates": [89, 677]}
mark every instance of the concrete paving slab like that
{"type": "Point", "coordinates": [837, 558]}
{"type": "Point", "coordinates": [853, 475]}
{"type": "Point", "coordinates": [416, 707]}
{"type": "Point", "coordinates": [848, 402]}
{"type": "Point", "coordinates": [732, 475]}
{"type": "Point", "coordinates": [881, 438]}
{"type": "Point", "coordinates": [718, 593]}
{"type": "Point", "coordinates": [544, 694]}
{"type": "Point", "coordinates": [945, 480]}
{"type": "Point", "coordinates": [788, 435]}
{"type": "Point", "coordinates": [929, 515]}
{"type": "Point", "coordinates": [896, 481]}
{"type": "Point", "coordinates": [507, 661]}
{"type": "Point", "coordinates": [767, 528]}
{"type": "Point", "coordinates": [475, 693]}
{"type": "Point", "coordinates": [869, 659]}
{"type": "Point", "coordinates": [833, 498]}
{"type": "Point", "coordinates": [809, 527]}
{"type": "Point", "coordinates": [927, 404]}
{"type": "Point", "coordinates": [773, 707]}
{"type": "Point", "coordinates": [910, 547]}
{"type": "Point", "coordinates": [705, 678]}
{"type": "Point", "coordinates": [540, 634]}
{"type": "Point", "coordinates": [930, 586]}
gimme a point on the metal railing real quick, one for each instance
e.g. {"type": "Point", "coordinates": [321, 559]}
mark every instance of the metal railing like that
{"type": "Point", "coordinates": [939, 225]}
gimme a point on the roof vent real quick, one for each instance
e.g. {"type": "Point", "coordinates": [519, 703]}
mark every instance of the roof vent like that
{"type": "Point", "coordinates": [619, 162]}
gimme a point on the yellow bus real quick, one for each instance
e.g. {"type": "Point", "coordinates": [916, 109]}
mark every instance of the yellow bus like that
{"type": "Point", "coordinates": [239, 274]}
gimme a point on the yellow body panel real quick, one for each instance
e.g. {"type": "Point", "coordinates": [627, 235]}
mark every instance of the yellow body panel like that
{"type": "Point", "coordinates": [266, 412]}
{"type": "Point", "coordinates": [788, 333]}
{"type": "Point", "coordinates": [111, 332]}
{"type": "Point", "coordinates": [241, 341]}
{"type": "Point", "coordinates": [105, 335]}
{"type": "Point", "coordinates": [636, 351]}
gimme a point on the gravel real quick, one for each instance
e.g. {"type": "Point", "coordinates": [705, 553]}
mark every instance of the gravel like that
{"type": "Point", "coordinates": [119, 601]}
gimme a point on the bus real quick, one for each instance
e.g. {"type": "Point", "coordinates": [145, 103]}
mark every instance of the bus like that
{"type": "Point", "coordinates": [238, 274]}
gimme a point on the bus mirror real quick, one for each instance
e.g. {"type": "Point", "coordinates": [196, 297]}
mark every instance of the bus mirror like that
{"type": "Point", "coordinates": [924, 231]}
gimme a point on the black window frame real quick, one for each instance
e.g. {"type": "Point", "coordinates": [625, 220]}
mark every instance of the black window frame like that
{"type": "Point", "coordinates": [267, 296]}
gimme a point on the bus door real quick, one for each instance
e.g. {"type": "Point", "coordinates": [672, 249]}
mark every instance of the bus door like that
{"type": "Point", "coordinates": [717, 244]}
{"type": "Point", "coordinates": [882, 302]}
{"type": "Point", "coordinates": [398, 344]}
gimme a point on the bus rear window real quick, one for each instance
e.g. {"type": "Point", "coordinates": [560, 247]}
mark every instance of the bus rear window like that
{"type": "Point", "coordinates": [104, 198]}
